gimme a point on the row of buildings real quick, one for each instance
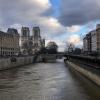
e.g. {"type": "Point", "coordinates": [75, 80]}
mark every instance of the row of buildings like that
{"type": "Point", "coordinates": [91, 42]}
{"type": "Point", "coordinates": [9, 41]}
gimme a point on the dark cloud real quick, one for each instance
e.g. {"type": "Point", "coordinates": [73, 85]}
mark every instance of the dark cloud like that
{"type": "Point", "coordinates": [78, 12]}
{"type": "Point", "coordinates": [22, 11]}
{"type": "Point", "coordinates": [17, 13]}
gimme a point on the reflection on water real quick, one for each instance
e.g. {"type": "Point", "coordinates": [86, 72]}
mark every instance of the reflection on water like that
{"type": "Point", "coordinates": [50, 81]}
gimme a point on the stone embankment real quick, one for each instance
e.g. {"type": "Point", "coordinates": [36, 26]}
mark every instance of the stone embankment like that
{"type": "Point", "coordinates": [87, 73]}
{"type": "Point", "coordinates": [7, 63]}
{"type": "Point", "coordinates": [47, 58]}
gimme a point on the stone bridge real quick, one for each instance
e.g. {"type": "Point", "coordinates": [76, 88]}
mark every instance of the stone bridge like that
{"type": "Point", "coordinates": [49, 57]}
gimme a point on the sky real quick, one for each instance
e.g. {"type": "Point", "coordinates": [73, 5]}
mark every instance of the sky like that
{"type": "Point", "coordinates": [61, 21]}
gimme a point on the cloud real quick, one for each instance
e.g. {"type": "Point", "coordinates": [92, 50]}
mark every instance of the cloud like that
{"type": "Point", "coordinates": [17, 13]}
{"type": "Point", "coordinates": [29, 13]}
{"type": "Point", "coordinates": [17, 26]}
{"type": "Point", "coordinates": [21, 11]}
{"type": "Point", "coordinates": [79, 12]}
{"type": "Point", "coordinates": [73, 28]}
{"type": "Point", "coordinates": [51, 27]}
{"type": "Point", "coordinates": [75, 39]}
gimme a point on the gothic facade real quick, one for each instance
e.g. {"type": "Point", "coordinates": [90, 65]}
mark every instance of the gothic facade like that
{"type": "Point", "coordinates": [31, 44]}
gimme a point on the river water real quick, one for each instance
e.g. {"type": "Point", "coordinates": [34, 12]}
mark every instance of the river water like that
{"type": "Point", "coordinates": [46, 81]}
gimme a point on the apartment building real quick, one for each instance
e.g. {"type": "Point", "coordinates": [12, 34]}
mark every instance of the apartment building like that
{"type": "Point", "coordinates": [91, 42]}
{"type": "Point", "coordinates": [9, 42]}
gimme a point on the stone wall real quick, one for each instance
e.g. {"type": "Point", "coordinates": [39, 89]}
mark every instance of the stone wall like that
{"type": "Point", "coordinates": [20, 61]}
{"type": "Point", "coordinates": [90, 75]}
{"type": "Point", "coordinates": [48, 58]}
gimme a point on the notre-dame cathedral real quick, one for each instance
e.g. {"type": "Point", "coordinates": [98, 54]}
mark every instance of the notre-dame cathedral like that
{"type": "Point", "coordinates": [31, 43]}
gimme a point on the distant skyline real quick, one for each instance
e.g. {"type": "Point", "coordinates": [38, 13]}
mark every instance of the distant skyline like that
{"type": "Point", "coordinates": [59, 20]}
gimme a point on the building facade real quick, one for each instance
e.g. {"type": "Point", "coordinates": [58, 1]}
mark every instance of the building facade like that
{"type": "Point", "coordinates": [43, 43]}
{"type": "Point", "coordinates": [85, 46]}
{"type": "Point", "coordinates": [87, 43]}
{"type": "Point", "coordinates": [38, 42]}
{"type": "Point", "coordinates": [25, 35]}
{"type": "Point", "coordinates": [91, 42]}
{"type": "Point", "coordinates": [31, 44]}
{"type": "Point", "coordinates": [36, 37]}
{"type": "Point", "coordinates": [25, 31]}
{"type": "Point", "coordinates": [9, 42]}
{"type": "Point", "coordinates": [98, 37]}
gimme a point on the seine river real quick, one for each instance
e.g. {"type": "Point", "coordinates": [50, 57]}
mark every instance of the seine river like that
{"type": "Point", "coordinates": [46, 81]}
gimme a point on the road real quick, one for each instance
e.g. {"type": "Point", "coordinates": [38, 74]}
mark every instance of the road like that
{"type": "Point", "coordinates": [46, 81]}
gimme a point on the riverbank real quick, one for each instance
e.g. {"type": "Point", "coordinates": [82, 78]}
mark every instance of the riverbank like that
{"type": "Point", "coordinates": [8, 63]}
{"type": "Point", "coordinates": [95, 78]}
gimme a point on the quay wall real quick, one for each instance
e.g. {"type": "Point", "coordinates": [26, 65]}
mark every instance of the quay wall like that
{"type": "Point", "coordinates": [48, 58]}
{"type": "Point", "coordinates": [6, 63]}
{"type": "Point", "coordinates": [88, 74]}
